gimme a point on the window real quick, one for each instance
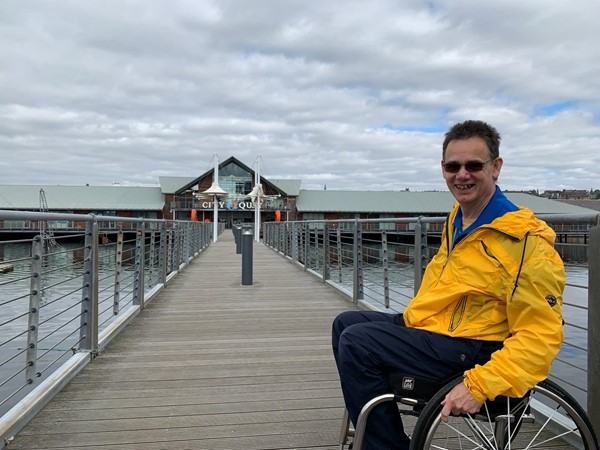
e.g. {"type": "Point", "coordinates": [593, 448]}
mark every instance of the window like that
{"type": "Point", "coordinates": [314, 216]}
{"type": "Point", "coordinates": [349, 220]}
{"type": "Point", "coordinates": [386, 225]}
{"type": "Point", "coordinates": [235, 180]}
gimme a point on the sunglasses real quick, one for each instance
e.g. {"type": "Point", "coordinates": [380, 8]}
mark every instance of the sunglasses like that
{"type": "Point", "coordinates": [470, 166]}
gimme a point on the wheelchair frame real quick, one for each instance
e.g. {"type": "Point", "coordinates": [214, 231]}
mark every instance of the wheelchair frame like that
{"type": "Point", "coordinates": [495, 427]}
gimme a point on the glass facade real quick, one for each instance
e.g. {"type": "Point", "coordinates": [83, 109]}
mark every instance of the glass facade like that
{"type": "Point", "coordinates": [234, 180]}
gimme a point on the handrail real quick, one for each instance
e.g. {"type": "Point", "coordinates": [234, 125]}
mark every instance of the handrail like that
{"type": "Point", "coordinates": [64, 297]}
{"type": "Point", "coordinates": [378, 264]}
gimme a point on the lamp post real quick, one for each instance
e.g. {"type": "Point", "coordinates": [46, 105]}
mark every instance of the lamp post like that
{"type": "Point", "coordinates": [215, 191]}
{"type": "Point", "coordinates": [259, 195]}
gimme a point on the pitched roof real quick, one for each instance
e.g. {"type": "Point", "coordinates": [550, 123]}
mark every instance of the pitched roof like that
{"type": "Point", "coordinates": [289, 187]}
{"type": "Point", "coordinates": [92, 198]}
{"type": "Point", "coordinates": [584, 203]}
{"type": "Point", "coordinates": [411, 202]}
{"type": "Point", "coordinates": [170, 185]}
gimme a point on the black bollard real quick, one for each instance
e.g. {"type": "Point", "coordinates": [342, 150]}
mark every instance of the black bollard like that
{"type": "Point", "coordinates": [237, 234]}
{"type": "Point", "coordinates": [247, 242]}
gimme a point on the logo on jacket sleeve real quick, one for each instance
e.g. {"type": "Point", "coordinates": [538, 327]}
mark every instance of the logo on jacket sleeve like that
{"type": "Point", "coordinates": [551, 299]}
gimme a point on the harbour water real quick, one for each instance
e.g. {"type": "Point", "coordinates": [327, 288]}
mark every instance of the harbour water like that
{"type": "Point", "coordinates": [60, 309]}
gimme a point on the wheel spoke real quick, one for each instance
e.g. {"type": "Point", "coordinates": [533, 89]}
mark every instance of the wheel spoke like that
{"type": "Point", "coordinates": [553, 418]}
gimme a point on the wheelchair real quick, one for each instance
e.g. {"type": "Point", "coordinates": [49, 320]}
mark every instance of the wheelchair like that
{"type": "Point", "coordinates": [547, 417]}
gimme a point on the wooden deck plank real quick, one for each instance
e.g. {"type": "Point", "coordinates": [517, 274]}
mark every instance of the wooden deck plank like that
{"type": "Point", "coordinates": [210, 364]}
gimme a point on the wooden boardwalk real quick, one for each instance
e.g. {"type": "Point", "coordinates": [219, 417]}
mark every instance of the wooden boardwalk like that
{"type": "Point", "coordinates": [210, 364]}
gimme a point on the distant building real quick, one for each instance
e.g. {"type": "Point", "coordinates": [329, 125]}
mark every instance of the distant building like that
{"type": "Point", "coordinates": [182, 195]}
{"type": "Point", "coordinates": [182, 198]}
{"type": "Point", "coordinates": [568, 194]}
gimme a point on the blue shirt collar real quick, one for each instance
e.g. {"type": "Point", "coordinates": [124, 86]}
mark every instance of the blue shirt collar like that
{"type": "Point", "coordinates": [498, 205]}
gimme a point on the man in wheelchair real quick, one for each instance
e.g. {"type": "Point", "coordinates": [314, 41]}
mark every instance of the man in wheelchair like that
{"type": "Point", "coordinates": [489, 305]}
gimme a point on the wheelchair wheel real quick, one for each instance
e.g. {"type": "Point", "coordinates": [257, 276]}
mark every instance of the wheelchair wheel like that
{"type": "Point", "coordinates": [547, 417]}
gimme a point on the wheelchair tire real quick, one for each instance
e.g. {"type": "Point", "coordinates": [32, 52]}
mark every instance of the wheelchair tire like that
{"type": "Point", "coordinates": [549, 416]}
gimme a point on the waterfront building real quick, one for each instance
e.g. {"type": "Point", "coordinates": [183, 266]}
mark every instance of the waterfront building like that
{"type": "Point", "coordinates": [181, 198]}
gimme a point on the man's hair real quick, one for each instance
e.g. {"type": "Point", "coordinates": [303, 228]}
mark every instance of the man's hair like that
{"type": "Point", "coordinates": [474, 128]}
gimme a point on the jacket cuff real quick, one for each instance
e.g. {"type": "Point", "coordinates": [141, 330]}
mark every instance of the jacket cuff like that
{"type": "Point", "coordinates": [474, 390]}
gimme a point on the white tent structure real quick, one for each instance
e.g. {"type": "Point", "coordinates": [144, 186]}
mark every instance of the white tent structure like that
{"type": "Point", "coordinates": [215, 191]}
{"type": "Point", "coordinates": [257, 196]}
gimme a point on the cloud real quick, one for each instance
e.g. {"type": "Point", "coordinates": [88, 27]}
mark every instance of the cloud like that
{"type": "Point", "coordinates": [353, 96]}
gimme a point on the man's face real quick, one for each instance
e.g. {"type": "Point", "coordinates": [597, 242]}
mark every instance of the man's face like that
{"type": "Point", "coordinates": [472, 189]}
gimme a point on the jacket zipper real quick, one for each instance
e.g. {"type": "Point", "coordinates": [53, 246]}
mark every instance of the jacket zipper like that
{"type": "Point", "coordinates": [450, 250]}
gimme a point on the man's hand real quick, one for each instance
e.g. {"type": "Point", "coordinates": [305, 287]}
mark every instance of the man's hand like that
{"type": "Point", "coordinates": [459, 401]}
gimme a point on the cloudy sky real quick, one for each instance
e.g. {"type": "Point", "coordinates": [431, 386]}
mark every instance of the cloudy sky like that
{"type": "Point", "coordinates": [342, 94]}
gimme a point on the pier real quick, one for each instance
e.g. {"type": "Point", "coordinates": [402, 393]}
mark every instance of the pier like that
{"type": "Point", "coordinates": [210, 364]}
{"type": "Point", "coordinates": [154, 339]}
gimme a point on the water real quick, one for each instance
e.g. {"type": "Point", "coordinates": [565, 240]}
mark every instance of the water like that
{"type": "Point", "coordinates": [60, 309]}
{"type": "Point", "coordinates": [570, 366]}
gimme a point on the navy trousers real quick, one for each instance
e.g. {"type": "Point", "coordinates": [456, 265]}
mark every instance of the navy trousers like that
{"type": "Point", "coordinates": [367, 345]}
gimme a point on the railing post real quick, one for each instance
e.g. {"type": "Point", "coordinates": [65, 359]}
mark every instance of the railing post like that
{"type": "Point", "coordinates": [305, 244]}
{"type": "Point", "coordinates": [89, 293]}
{"type": "Point", "coordinates": [118, 272]}
{"type": "Point", "coordinates": [270, 233]}
{"type": "Point", "coordinates": [326, 275]}
{"type": "Point", "coordinates": [265, 234]}
{"type": "Point", "coordinates": [294, 249]}
{"type": "Point", "coordinates": [340, 255]}
{"type": "Point", "coordinates": [37, 256]}
{"type": "Point", "coordinates": [593, 375]}
{"type": "Point", "coordinates": [175, 247]}
{"type": "Point", "coordinates": [186, 243]}
{"type": "Point", "coordinates": [208, 232]}
{"type": "Point", "coordinates": [197, 238]}
{"type": "Point", "coordinates": [152, 257]}
{"type": "Point", "coordinates": [181, 244]}
{"type": "Point", "coordinates": [386, 265]}
{"type": "Point", "coordinates": [358, 288]}
{"type": "Point", "coordinates": [286, 238]}
{"type": "Point", "coordinates": [162, 254]}
{"type": "Point", "coordinates": [420, 256]}
{"type": "Point", "coordinates": [140, 256]}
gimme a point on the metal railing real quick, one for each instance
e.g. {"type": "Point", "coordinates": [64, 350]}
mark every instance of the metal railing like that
{"type": "Point", "coordinates": [379, 263]}
{"type": "Point", "coordinates": [64, 297]}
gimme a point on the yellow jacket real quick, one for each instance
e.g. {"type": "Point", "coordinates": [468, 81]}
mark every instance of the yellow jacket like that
{"type": "Point", "coordinates": [502, 282]}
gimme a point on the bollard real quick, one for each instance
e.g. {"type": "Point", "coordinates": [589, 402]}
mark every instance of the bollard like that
{"type": "Point", "coordinates": [237, 234]}
{"type": "Point", "coordinates": [247, 257]}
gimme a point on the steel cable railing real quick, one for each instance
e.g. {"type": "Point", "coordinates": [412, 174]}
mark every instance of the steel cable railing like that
{"type": "Point", "coordinates": [379, 264]}
{"type": "Point", "coordinates": [63, 296]}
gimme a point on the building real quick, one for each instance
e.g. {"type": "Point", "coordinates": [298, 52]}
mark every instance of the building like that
{"type": "Point", "coordinates": [183, 198]}
{"type": "Point", "coordinates": [183, 195]}
{"type": "Point", "coordinates": [568, 194]}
